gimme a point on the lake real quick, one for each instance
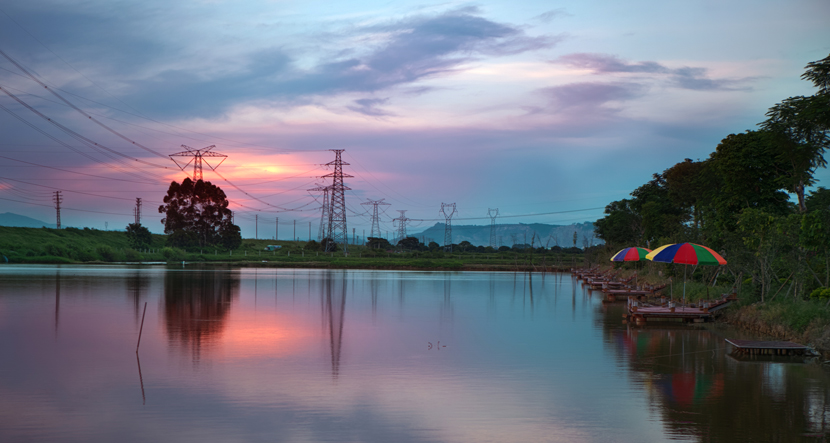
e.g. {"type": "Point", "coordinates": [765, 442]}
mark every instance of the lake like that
{"type": "Point", "coordinates": [305, 355]}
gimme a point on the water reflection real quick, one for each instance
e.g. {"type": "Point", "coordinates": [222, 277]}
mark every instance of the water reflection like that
{"type": "Point", "coordinates": [334, 302]}
{"type": "Point", "coordinates": [705, 393]}
{"type": "Point", "coordinates": [196, 306]}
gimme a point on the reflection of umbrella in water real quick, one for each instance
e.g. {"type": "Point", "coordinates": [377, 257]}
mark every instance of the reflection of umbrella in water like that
{"type": "Point", "coordinates": [686, 254]}
{"type": "Point", "coordinates": [690, 388]}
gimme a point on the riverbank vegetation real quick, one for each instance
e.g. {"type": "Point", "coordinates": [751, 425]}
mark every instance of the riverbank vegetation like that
{"type": "Point", "coordinates": [750, 202]}
{"type": "Point", "coordinates": [72, 245]}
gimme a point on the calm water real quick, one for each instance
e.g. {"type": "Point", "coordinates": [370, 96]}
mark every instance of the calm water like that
{"type": "Point", "coordinates": [238, 355]}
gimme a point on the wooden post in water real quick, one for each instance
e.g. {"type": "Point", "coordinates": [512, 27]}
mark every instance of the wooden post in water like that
{"type": "Point", "coordinates": [140, 330]}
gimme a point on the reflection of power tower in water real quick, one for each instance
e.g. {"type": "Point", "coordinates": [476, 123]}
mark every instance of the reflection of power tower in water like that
{"type": "Point", "coordinates": [401, 221]}
{"type": "Point", "coordinates": [197, 155]}
{"type": "Point", "coordinates": [337, 229]}
{"type": "Point", "coordinates": [448, 210]}
{"type": "Point", "coordinates": [375, 232]}
{"type": "Point", "coordinates": [335, 300]}
{"type": "Point", "coordinates": [493, 213]}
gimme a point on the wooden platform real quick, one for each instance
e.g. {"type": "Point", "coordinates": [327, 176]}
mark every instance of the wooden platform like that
{"type": "Point", "coordinates": [753, 347]}
{"type": "Point", "coordinates": [640, 314]}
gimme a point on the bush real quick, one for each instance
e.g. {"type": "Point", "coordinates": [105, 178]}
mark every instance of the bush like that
{"type": "Point", "coordinates": [132, 255]}
{"type": "Point", "coordinates": [173, 254]}
{"type": "Point", "coordinates": [55, 250]}
{"type": "Point", "coordinates": [820, 293]}
{"type": "Point", "coordinates": [106, 253]}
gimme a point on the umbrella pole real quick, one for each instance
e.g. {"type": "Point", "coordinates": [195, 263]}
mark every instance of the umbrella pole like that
{"type": "Point", "coordinates": [684, 287]}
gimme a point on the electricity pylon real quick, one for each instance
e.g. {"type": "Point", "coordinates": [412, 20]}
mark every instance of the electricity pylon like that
{"type": "Point", "coordinates": [325, 215]}
{"type": "Point", "coordinates": [401, 224]}
{"type": "Point", "coordinates": [197, 155]}
{"type": "Point", "coordinates": [58, 199]}
{"type": "Point", "coordinates": [493, 213]}
{"type": "Point", "coordinates": [375, 232]}
{"type": "Point", "coordinates": [337, 203]}
{"type": "Point", "coordinates": [137, 211]}
{"type": "Point", "coordinates": [447, 213]}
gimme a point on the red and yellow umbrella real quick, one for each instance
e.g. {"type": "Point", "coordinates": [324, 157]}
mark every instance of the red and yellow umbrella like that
{"type": "Point", "coordinates": [631, 254]}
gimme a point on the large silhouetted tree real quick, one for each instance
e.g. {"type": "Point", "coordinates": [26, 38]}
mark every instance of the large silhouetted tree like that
{"type": "Point", "coordinates": [197, 214]}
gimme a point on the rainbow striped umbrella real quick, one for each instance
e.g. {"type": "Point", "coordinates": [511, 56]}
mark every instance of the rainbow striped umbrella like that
{"type": "Point", "coordinates": [631, 254]}
{"type": "Point", "coordinates": [686, 254]}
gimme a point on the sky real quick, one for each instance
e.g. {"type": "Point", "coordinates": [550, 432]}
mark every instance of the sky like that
{"type": "Point", "coordinates": [547, 111]}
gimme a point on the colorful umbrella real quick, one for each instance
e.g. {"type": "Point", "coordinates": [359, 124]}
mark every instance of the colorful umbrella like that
{"type": "Point", "coordinates": [631, 254]}
{"type": "Point", "coordinates": [686, 254]}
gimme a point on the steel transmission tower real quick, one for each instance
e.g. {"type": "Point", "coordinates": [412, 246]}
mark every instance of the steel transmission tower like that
{"type": "Point", "coordinates": [325, 214]}
{"type": "Point", "coordinates": [375, 219]}
{"type": "Point", "coordinates": [448, 210]}
{"type": "Point", "coordinates": [197, 155]}
{"type": "Point", "coordinates": [401, 225]}
{"type": "Point", "coordinates": [137, 211]}
{"type": "Point", "coordinates": [493, 213]}
{"type": "Point", "coordinates": [337, 202]}
{"type": "Point", "coordinates": [58, 199]}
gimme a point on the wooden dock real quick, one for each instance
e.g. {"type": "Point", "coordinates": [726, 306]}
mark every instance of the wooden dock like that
{"type": "Point", "coordinates": [753, 347]}
{"type": "Point", "coordinates": [640, 314]}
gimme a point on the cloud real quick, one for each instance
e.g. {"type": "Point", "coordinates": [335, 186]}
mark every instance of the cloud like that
{"type": "Point", "coordinates": [591, 96]}
{"type": "Point", "coordinates": [547, 17]}
{"type": "Point", "coordinates": [693, 78]}
{"type": "Point", "coordinates": [369, 106]}
{"type": "Point", "coordinates": [403, 52]}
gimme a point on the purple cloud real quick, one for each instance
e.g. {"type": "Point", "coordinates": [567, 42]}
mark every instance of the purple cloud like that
{"type": "Point", "coordinates": [369, 106]}
{"type": "Point", "coordinates": [694, 78]}
{"type": "Point", "coordinates": [591, 95]}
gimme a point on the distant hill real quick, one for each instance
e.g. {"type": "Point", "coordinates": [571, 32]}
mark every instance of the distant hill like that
{"type": "Point", "coordinates": [21, 221]}
{"type": "Point", "coordinates": [519, 233]}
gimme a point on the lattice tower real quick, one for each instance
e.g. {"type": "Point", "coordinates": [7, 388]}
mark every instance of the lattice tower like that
{"type": "Point", "coordinates": [375, 232]}
{"type": "Point", "coordinates": [325, 215]}
{"type": "Point", "coordinates": [137, 211]}
{"type": "Point", "coordinates": [198, 155]}
{"type": "Point", "coordinates": [58, 199]}
{"type": "Point", "coordinates": [401, 221]}
{"type": "Point", "coordinates": [493, 213]}
{"type": "Point", "coordinates": [337, 202]}
{"type": "Point", "coordinates": [448, 210]}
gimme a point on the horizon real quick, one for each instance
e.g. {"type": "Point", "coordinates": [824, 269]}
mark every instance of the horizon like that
{"type": "Point", "coordinates": [547, 112]}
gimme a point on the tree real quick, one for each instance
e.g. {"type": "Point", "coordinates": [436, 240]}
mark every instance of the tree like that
{"type": "Point", "coordinates": [801, 125]}
{"type": "Point", "coordinates": [433, 246]}
{"type": "Point", "coordinates": [621, 225]}
{"type": "Point", "coordinates": [138, 236]}
{"type": "Point", "coordinates": [230, 236]}
{"type": "Point", "coordinates": [378, 243]}
{"type": "Point", "coordinates": [329, 245]}
{"type": "Point", "coordinates": [465, 245]}
{"type": "Point", "coordinates": [409, 243]}
{"type": "Point", "coordinates": [197, 214]}
{"type": "Point", "coordinates": [818, 199]}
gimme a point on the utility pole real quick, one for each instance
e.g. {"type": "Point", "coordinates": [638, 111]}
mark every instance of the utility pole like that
{"type": "Point", "coordinates": [294, 238]}
{"type": "Point", "coordinates": [309, 231]}
{"type": "Point", "coordinates": [137, 211]}
{"type": "Point", "coordinates": [493, 213]}
{"type": "Point", "coordinates": [448, 210]}
{"type": "Point", "coordinates": [401, 224]}
{"type": "Point", "coordinates": [277, 228]}
{"type": "Point", "coordinates": [256, 226]}
{"type": "Point", "coordinates": [58, 199]}
{"type": "Point", "coordinates": [197, 155]}
{"type": "Point", "coordinates": [375, 231]}
{"type": "Point", "coordinates": [337, 205]}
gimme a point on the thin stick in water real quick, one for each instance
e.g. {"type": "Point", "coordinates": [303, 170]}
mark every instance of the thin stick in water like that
{"type": "Point", "coordinates": [142, 328]}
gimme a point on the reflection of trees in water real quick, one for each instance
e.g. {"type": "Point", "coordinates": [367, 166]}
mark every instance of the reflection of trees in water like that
{"type": "Point", "coordinates": [705, 393]}
{"type": "Point", "coordinates": [137, 284]}
{"type": "Point", "coordinates": [196, 305]}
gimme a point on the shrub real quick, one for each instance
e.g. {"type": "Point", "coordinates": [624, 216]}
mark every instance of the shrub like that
{"type": "Point", "coordinates": [173, 254]}
{"type": "Point", "coordinates": [106, 253]}
{"type": "Point", "coordinates": [132, 255]}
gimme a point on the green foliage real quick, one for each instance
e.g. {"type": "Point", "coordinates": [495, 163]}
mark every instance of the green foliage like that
{"type": "Point", "coordinates": [312, 245]}
{"type": "Point", "coordinates": [378, 243]}
{"type": "Point", "coordinates": [139, 236]}
{"type": "Point", "coordinates": [106, 253]}
{"type": "Point", "coordinates": [410, 244]}
{"type": "Point", "coordinates": [173, 254]}
{"type": "Point", "coordinates": [199, 209]}
{"type": "Point", "coordinates": [820, 293]}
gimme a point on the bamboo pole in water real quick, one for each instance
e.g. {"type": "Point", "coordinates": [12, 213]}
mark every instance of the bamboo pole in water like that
{"type": "Point", "coordinates": [141, 329]}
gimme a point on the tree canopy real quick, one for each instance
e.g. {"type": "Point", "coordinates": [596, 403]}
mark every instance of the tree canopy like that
{"type": "Point", "coordinates": [197, 214]}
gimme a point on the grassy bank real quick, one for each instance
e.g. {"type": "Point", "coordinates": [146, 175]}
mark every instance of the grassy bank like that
{"type": "Point", "coordinates": [786, 316]}
{"type": "Point", "coordinates": [71, 245]}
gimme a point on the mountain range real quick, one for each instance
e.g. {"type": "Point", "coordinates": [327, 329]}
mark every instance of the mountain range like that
{"type": "Point", "coordinates": [518, 233]}
{"type": "Point", "coordinates": [21, 221]}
